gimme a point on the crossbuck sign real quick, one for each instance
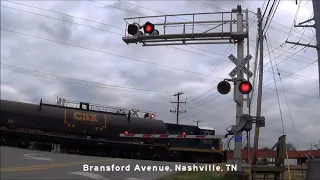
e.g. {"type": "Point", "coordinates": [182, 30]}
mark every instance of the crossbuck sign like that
{"type": "Point", "coordinates": [241, 66]}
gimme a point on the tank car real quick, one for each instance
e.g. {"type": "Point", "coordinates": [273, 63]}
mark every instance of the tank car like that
{"type": "Point", "coordinates": [54, 118]}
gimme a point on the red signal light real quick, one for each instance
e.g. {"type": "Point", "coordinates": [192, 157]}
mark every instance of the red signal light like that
{"type": "Point", "coordinates": [245, 87]}
{"type": "Point", "coordinates": [148, 27]}
{"type": "Point", "coordinates": [152, 116]}
{"type": "Point", "coordinates": [183, 133]}
{"type": "Point", "coordinates": [126, 132]}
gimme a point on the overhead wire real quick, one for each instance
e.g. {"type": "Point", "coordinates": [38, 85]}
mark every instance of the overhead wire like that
{"type": "Point", "coordinates": [216, 63]}
{"type": "Point", "coordinates": [264, 13]}
{"type": "Point", "coordinates": [210, 73]}
{"type": "Point", "coordinates": [280, 24]}
{"type": "Point", "coordinates": [269, 15]}
{"type": "Point", "coordinates": [78, 81]}
{"type": "Point", "coordinates": [57, 18]}
{"type": "Point", "coordinates": [106, 30]}
{"type": "Point", "coordinates": [279, 104]}
{"type": "Point", "coordinates": [92, 26]}
{"type": "Point", "coordinates": [265, 29]}
{"type": "Point", "coordinates": [295, 18]}
{"type": "Point", "coordinates": [88, 48]}
{"type": "Point", "coordinates": [285, 96]}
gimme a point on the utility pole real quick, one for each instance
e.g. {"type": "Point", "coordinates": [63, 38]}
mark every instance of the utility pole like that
{"type": "Point", "coordinates": [197, 121]}
{"type": "Point", "coordinates": [259, 99]}
{"type": "Point", "coordinates": [178, 112]}
{"type": "Point", "coordinates": [316, 18]}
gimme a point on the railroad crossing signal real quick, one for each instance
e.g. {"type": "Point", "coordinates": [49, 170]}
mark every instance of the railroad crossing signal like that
{"type": "Point", "coordinates": [148, 28]}
{"type": "Point", "coordinates": [224, 87]}
{"type": "Point", "coordinates": [245, 87]}
{"type": "Point", "coordinates": [241, 66]}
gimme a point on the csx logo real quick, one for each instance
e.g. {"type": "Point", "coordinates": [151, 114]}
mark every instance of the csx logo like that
{"type": "Point", "coordinates": [85, 117]}
{"type": "Point", "coordinates": [207, 141]}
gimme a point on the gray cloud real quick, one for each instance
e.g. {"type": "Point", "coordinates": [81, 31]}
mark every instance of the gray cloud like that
{"type": "Point", "coordinates": [100, 67]}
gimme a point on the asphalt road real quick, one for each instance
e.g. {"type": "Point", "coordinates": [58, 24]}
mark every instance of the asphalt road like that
{"type": "Point", "coordinates": [29, 164]}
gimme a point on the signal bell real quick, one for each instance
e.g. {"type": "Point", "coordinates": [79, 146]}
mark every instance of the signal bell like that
{"type": "Point", "coordinates": [224, 87]}
{"type": "Point", "coordinates": [245, 87]}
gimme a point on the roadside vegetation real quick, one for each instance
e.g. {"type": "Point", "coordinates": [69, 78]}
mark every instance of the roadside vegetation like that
{"type": "Point", "coordinates": [194, 176]}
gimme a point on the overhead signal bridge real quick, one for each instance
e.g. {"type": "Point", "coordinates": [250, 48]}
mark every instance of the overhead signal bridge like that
{"type": "Point", "coordinates": [183, 29]}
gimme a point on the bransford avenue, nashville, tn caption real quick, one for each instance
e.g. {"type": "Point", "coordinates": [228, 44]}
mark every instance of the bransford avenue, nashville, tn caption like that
{"type": "Point", "coordinates": [160, 168]}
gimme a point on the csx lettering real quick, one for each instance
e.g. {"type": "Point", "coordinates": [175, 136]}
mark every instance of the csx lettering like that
{"type": "Point", "coordinates": [207, 142]}
{"type": "Point", "coordinates": [85, 117]}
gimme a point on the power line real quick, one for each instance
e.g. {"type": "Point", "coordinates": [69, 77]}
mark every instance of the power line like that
{"type": "Point", "coordinates": [104, 52]}
{"type": "Point", "coordinates": [114, 32]}
{"type": "Point", "coordinates": [274, 12]}
{"type": "Point", "coordinates": [77, 81]}
{"type": "Point", "coordinates": [115, 26]}
{"type": "Point", "coordinates": [205, 75]}
{"type": "Point", "coordinates": [207, 4]}
{"type": "Point", "coordinates": [95, 27]}
{"type": "Point", "coordinates": [294, 20]}
{"type": "Point", "coordinates": [214, 66]}
{"type": "Point", "coordinates": [178, 102]}
{"type": "Point", "coordinates": [68, 44]}
{"type": "Point", "coordinates": [291, 119]}
{"type": "Point", "coordinates": [275, 83]}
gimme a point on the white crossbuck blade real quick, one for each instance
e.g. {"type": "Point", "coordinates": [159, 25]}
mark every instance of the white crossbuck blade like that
{"type": "Point", "coordinates": [241, 66]}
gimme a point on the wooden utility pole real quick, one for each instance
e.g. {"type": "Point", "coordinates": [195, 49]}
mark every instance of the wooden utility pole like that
{"type": "Point", "coordinates": [178, 112]}
{"type": "Point", "coordinates": [197, 121]}
{"type": "Point", "coordinates": [259, 99]}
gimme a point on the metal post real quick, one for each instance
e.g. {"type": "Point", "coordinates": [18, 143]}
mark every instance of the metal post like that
{"type": "Point", "coordinates": [239, 96]}
{"type": "Point", "coordinates": [259, 99]}
{"type": "Point", "coordinates": [248, 97]}
{"type": "Point", "coordinates": [316, 7]}
{"type": "Point", "coordinates": [178, 108]}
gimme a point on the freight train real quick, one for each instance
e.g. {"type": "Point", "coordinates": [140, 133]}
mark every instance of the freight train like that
{"type": "Point", "coordinates": [82, 130]}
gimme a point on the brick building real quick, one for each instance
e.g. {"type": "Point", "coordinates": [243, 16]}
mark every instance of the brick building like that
{"type": "Point", "coordinates": [300, 156]}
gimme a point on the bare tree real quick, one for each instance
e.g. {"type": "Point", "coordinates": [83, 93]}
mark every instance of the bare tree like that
{"type": "Point", "coordinates": [291, 147]}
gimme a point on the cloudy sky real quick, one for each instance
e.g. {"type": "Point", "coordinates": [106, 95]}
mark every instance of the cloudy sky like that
{"type": "Point", "coordinates": [45, 53]}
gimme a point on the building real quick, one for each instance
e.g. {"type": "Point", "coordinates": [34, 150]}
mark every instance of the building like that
{"type": "Point", "coordinates": [295, 157]}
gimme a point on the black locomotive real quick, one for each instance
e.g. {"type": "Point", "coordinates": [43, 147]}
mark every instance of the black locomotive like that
{"type": "Point", "coordinates": [86, 131]}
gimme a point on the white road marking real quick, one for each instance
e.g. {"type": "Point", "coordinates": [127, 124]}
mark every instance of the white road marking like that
{"type": "Point", "coordinates": [89, 175]}
{"type": "Point", "coordinates": [32, 156]}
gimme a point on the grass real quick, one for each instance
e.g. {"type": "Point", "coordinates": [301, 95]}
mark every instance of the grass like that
{"type": "Point", "coordinates": [197, 175]}
{"type": "Point", "coordinates": [194, 176]}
